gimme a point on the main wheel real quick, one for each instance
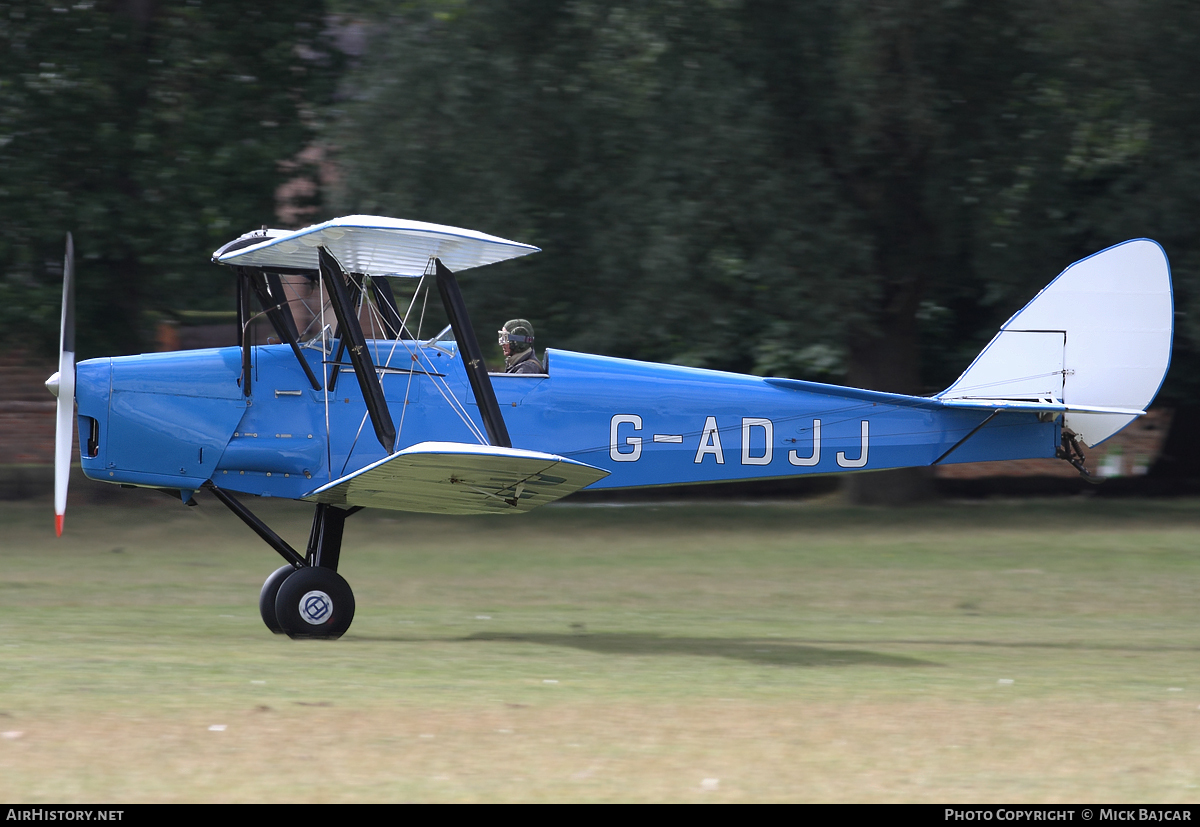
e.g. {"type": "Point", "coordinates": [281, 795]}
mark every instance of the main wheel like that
{"type": "Point", "coordinates": [314, 602]}
{"type": "Point", "coordinates": [266, 598]}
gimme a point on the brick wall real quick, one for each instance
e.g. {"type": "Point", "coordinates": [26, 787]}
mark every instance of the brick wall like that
{"type": "Point", "coordinates": [26, 410]}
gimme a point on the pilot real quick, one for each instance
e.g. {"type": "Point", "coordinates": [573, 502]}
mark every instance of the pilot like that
{"type": "Point", "coordinates": [516, 338]}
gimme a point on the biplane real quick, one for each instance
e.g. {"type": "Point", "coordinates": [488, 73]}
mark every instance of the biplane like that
{"type": "Point", "coordinates": [356, 407]}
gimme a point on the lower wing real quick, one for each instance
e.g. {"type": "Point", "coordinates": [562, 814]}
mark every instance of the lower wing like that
{"type": "Point", "coordinates": [458, 478]}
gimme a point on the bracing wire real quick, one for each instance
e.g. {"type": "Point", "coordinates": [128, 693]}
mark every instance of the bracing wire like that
{"type": "Point", "coordinates": [958, 388]}
{"type": "Point", "coordinates": [417, 356]}
{"type": "Point", "coordinates": [439, 382]}
{"type": "Point", "coordinates": [416, 353]}
{"type": "Point", "coordinates": [403, 326]}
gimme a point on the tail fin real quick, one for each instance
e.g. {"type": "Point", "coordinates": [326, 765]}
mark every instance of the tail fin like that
{"type": "Point", "coordinates": [1098, 336]}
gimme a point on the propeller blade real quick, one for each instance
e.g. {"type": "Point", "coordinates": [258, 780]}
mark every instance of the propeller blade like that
{"type": "Point", "coordinates": [64, 435]}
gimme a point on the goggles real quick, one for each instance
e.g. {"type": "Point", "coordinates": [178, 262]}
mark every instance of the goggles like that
{"type": "Point", "coordinates": [514, 338]}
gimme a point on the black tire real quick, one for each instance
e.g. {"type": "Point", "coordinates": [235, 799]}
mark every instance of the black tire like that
{"type": "Point", "coordinates": [266, 598]}
{"type": "Point", "coordinates": [315, 602]}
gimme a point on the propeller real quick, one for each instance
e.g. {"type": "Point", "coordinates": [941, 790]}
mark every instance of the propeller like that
{"type": "Point", "coordinates": [62, 385]}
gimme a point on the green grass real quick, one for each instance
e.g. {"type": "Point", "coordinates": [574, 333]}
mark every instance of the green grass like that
{"type": "Point", "coordinates": [1023, 652]}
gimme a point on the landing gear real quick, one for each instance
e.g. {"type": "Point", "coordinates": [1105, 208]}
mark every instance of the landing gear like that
{"type": "Point", "coordinates": [1072, 452]}
{"type": "Point", "coordinates": [307, 598]}
{"type": "Point", "coordinates": [315, 602]}
{"type": "Point", "coordinates": [311, 602]}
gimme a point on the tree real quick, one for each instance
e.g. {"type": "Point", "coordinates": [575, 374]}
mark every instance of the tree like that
{"type": "Point", "coordinates": [155, 132]}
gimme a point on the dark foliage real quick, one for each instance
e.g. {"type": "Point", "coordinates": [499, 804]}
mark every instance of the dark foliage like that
{"type": "Point", "coordinates": [155, 132]}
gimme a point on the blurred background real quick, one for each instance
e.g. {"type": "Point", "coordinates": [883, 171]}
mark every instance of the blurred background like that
{"type": "Point", "coordinates": [850, 191]}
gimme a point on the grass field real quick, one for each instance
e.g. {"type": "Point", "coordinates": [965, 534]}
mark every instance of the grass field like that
{"type": "Point", "coordinates": [1011, 652]}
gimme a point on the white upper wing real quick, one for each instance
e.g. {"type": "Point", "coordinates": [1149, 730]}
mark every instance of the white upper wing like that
{"type": "Point", "coordinates": [377, 246]}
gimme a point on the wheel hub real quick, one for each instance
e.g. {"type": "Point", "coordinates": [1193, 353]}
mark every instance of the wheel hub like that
{"type": "Point", "coordinates": [316, 607]}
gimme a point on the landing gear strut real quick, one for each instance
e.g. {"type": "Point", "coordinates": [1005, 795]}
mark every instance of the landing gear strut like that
{"type": "Point", "coordinates": [307, 598]}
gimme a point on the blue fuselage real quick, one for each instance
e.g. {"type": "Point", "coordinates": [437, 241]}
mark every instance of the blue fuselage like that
{"type": "Point", "coordinates": [177, 420]}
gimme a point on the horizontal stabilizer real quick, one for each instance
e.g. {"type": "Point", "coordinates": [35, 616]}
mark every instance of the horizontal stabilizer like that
{"type": "Point", "coordinates": [458, 478]}
{"type": "Point", "coordinates": [933, 402]}
{"type": "Point", "coordinates": [1048, 407]}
